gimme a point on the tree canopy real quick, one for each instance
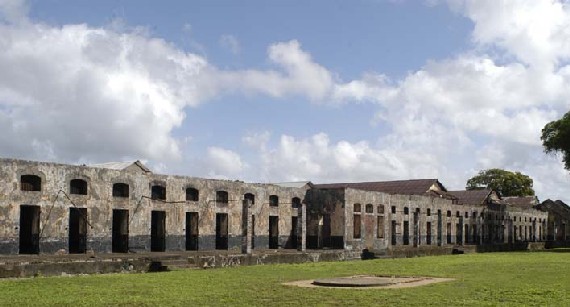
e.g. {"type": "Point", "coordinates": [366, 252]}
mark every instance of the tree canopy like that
{"type": "Point", "coordinates": [507, 183]}
{"type": "Point", "coordinates": [556, 138]}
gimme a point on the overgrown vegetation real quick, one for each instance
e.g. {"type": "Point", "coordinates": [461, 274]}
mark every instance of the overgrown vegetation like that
{"type": "Point", "coordinates": [556, 138]}
{"type": "Point", "coordinates": [538, 278]}
{"type": "Point", "coordinates": [505, 182]}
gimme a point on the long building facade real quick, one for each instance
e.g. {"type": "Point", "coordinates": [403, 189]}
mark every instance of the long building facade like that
{"type": "Point", "coordinates": [124, 207]}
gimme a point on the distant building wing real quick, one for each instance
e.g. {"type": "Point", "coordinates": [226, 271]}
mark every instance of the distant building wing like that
{"type": "Point", "coordinates": [401, 187]}
{"type": "Point", "coordinates": [521, 201]}
{"type": "Point", "coordinates": [472, 197]}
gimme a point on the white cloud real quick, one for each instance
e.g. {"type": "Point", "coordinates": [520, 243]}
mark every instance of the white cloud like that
{"type": "Point", "coordinates": [534, 31]}
{"type": "Point", "coordinates": [231, 43]}
{"type": "Point", "coordinates": [318, 159]}
{"type": "Point", "coordinates": [66, 90]}
{"type": "Point", "coordinates": [257, 140]}
{"type": "Point", "coordinates": [74, 88]}
{"type": "Point", "coordinates": [223, 162]}
{"type": "Point", "coordinates": [13, 10]}
{"type": "Point", "coordinates": [298, 75]}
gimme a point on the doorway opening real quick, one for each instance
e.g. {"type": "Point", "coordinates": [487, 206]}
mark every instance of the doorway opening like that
{"type": "Point", "coordinates": [158, 231]}
{"type": "Point", "coordinates": [120, 237]}
{"type": "Point", "coordinates": [273, 232]}
{"type": "Point", "coordinates": [29, 229]}
{"type": "Point", "coordinates": [77, 230]}
{"type": "Point", "coordinates": [221, 231]}
{"type": "Point", "coordinates": [192, 231]}
{"type": "Point", "coordinates": [293, 241]}
{"type": "Point", "coordinates": [252, 231]}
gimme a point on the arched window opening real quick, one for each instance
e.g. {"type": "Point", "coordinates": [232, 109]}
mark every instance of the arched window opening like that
{"type": "Point", "coordinates": [250, 197]}
{"type": "Point", "coordinates": [296, 202]}
{"type": "Point", "coordinates": [158, 192]}
{"type": "Point", "coordinates": [273, 200]}
{"type": "Point", "coordinates": [78, 187]}
{"type": "Point", "coordinates": [30, 183]}
{"type": "Point", "coordinates": [369, 208]}
{"type": "Point", "coordinates": [192, 194]}
{"type": "Point", "coordinates": [357, 208]}
{"type": "Point", "coordinates": [120, 190]}
{"type": "Point", "coordinates": [222, 197]}
{"type": "Point", "coordinates": [380, 209]}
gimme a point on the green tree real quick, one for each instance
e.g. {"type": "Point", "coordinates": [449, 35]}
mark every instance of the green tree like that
{"type": "Point", "coordinates": [507, 183]}
{"type": "Point", "coordinates": [556, 138]}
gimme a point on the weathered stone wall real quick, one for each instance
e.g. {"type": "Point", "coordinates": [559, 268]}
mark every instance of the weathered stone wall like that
{"type": "Point", "coordinates": [55, 205]}
{"type": "Point", "coordinates": [450, 224]}
{"type": "Point", "coordinates": [329, 217]}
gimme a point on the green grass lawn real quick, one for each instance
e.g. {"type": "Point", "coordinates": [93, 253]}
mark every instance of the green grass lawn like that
{"type": "Point", "coordinates": [533, 278]}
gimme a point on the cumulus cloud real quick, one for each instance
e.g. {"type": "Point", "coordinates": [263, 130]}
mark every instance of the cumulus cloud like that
{"type": "Point", "coordinates": [66, 90]}
{"type": "Point", "coordinates": [296, 74]}
{"type": "Point", "coordinates": [73, 88]}
{"type": "Point", "coordinates": [14, 11]}
{"type": "Point", "coordinates": [480, 109]}
{"type": "Point", "coordinates": [231, 43]}
{"type": "Point", "coordinates": [534, 31]}
{"type": "Point", "coordinates": [318, 159]}
{"type": "Point", "coordinates": [223, 163]}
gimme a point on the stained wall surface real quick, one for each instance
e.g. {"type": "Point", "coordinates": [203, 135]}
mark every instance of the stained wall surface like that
{"type": "Point", "coordinates": [55, 200]}
{"type": "Point", "coordinates": [341, 218]}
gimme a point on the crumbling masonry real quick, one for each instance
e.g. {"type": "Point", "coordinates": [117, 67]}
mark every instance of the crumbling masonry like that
{"type": "Point", "coordinates": [124, 207]}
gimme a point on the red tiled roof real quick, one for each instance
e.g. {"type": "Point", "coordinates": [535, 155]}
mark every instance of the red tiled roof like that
{"type": "Point", "coordinates": [402, 187]}
{"type": "Point", "coordinates": [471, 197]}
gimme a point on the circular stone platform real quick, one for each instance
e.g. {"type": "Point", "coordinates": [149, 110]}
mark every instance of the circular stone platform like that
{"type": "Point", "coordinates": [367, 282]}
{"type": "Point", "coordinates": [362, 281]}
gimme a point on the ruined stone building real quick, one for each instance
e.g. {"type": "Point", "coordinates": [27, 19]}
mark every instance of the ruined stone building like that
{"type": "Point", "coordinates": [558, 219]}
{"type": "Point", "coordinates": [124, 207]}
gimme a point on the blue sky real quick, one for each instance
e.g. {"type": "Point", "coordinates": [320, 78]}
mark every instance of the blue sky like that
{"type": "Point", "coordinates": [288, 90]}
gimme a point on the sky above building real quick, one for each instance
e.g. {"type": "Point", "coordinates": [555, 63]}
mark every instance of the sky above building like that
{"type": "Point", "coordinates": [269, 91]}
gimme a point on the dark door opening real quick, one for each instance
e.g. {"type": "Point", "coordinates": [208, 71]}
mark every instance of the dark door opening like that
{"type": "Point", "coordinates": [439, 228]}
{"type": "Point", "coordinates": [327, 231]}
{"type": "Point", "coordinates": [293, 241]}
{"type": "Point", "coordinates": [393, 233]}
{"type": "Point", "coordinates": [120, 236]}
{"type": "Point", "coordinates": [252, 231]}
{"type": "Point", "coordinates": [158, 231]}
{"type": "Point", "coordinates": [406, 233]}
{"type": "Point", "coordinates": [77, 230]}
{"type": "Point", "coordinates": [416, 229]}
{"type": "Point", "coordinates": [191, 231]}
{"type": "Point", "coordinates": [221, 231]}
{"type": "Point", "coordinates": [273, 232]}
{"type": "Point", "coordinates": [29, 229]}
{"type": "Point", "coordinates": [459, 231]}
{"type": "Point", "coordinates": [428, 233]}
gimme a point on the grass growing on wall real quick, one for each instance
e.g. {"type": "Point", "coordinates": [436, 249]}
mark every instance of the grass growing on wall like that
{"type": "Point", "coordinates": [533, 278]}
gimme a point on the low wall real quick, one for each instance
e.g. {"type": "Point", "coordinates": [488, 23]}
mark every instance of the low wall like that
{"type": "Point", "coordinates": [213, 261]}
{"type": "Point", "coordinates": [410, 251]}
{"type": "Point", "coordinates": [57, 268]}
{"type": "Point", "coordinates": [50, 265]}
